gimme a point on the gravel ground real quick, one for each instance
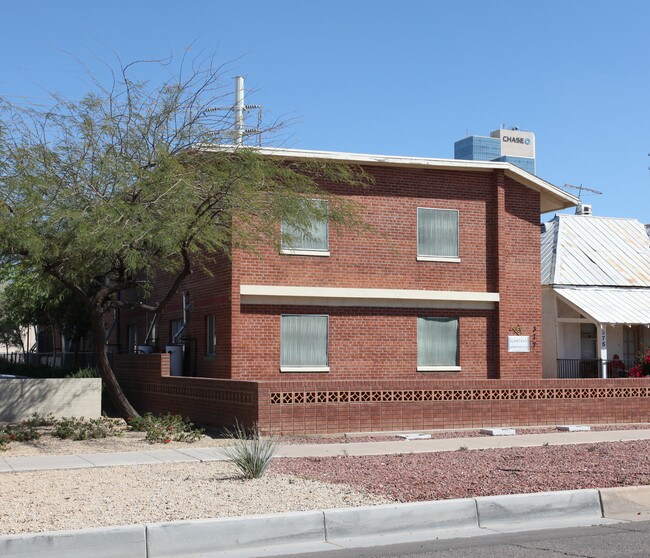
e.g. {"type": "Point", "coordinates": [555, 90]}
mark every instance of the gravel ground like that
{"type": "Point", "coordinates": [76, 499]}
{"type": "Point", "coordinates": [462, 474]}
{"type": "Point", "coordinates": [55, 500]}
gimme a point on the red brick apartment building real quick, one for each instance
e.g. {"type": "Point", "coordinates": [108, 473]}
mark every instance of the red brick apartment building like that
{"type": "Point", "coordinates": [431, 318]}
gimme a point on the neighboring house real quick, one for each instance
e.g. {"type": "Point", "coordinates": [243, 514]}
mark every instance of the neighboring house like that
{"type": "Point", "coordinates": [595, 295]}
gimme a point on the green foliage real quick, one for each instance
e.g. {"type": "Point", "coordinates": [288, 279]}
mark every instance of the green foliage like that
{"type": "Point", "coordinates": [102, 195]}
{"type": "Point", "coordinates": [86, 372]}
{"type": "Point", "coordinates": [164, 429]}
{"type": "Point", "coordinates": [249, 451]}
{"type": "Point", "coordinates": [82, 429]}
{"type": "Point", "coordinates": [21, 432]}
{"type": "Point", "coordinates": [36, 420]}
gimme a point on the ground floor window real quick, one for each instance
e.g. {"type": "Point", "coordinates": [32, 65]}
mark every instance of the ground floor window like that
{"type": "Point", "coordinates": [438, 344]}
{"type": "Point", "coordinates": [132, 338]}
{"type": "Point", "coordinates": [304, 343]}
{"type": "Point", "coordinates": [211, 332]}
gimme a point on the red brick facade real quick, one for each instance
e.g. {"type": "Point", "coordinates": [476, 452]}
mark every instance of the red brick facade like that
{"type": "Point", "coordinates": [372, 349]}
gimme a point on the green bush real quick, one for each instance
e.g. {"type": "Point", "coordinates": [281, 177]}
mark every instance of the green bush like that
{"type": "Point", "coordinates": [86, 372]}
{"type": "Point", "coordinates": [249, 451]}
{"type": "Point", "coordinates": [167, 428]}
{"type": "Point", "coordinates": [39, 420]}
{"type": "Point", "coordinates": [81, 429]}
{"type": "Point", "coordinates": [21, 432]}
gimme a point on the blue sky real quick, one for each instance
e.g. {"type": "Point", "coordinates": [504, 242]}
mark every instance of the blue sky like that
{"type": "Point", "coordinates": [400, 78]}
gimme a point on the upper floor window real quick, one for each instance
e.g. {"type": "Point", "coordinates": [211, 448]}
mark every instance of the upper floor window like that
{"type": "Point", "coordinates": [438, 235]}
{"type": "Point", "coordinates": [313, 241]}
{"type": "Point", "coordinates": [438, 344]}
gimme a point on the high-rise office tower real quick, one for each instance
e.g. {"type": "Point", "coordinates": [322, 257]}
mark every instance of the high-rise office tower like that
{"type": "Point", "coordinates": [512, 146]}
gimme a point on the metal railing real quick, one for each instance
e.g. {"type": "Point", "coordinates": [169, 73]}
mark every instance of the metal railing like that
{"type": "Point", "coordinates": [63, 361]}
{"type": "Point", "coordinates": [568, 368]}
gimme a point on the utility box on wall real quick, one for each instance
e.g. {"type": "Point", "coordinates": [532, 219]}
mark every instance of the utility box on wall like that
{"type": "Point", "coordinates": [176, 358]}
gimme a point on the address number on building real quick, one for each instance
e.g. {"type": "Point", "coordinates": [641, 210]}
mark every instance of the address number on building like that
{"type": "Point", "coordinates": [518, 344]}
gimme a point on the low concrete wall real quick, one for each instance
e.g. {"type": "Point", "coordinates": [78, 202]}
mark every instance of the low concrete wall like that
{"type": "Point", "coordinates": [63, 397]}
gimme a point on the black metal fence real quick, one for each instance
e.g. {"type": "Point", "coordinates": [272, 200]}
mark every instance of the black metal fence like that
{"type": "Point", "coordinates": [568, 368]}
{"type": "Point", "coordinates": [62, 361]}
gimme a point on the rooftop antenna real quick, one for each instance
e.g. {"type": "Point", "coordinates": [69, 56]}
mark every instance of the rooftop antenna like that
{"type": "Point", "coordinates": [582, 188]}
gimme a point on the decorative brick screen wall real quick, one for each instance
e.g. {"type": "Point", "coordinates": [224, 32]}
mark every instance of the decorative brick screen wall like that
{"type": "Point", "coordinates": [381, 405]}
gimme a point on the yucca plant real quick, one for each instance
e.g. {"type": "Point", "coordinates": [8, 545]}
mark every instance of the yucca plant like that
{"type": "Point", "coordinates": [249, 451]}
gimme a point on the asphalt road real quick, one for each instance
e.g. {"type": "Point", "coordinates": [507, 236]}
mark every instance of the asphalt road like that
{"type": "Point", "coordinates": [629, 540]}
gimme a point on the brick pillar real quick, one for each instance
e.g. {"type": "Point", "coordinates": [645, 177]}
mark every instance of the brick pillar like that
{"type": "Point", "coordinates": [518, 277]}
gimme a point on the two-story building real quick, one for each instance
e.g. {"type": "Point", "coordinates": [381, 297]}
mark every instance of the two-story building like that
{"type": "Point", "coordinates": [430, 317]}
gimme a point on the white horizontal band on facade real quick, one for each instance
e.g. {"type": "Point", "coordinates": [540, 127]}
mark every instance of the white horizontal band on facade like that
{"type": "Point", "coordinates": [393, 298]}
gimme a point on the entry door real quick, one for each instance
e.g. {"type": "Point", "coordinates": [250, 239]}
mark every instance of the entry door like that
{"type": "Point", "coordinates": [588, 341]}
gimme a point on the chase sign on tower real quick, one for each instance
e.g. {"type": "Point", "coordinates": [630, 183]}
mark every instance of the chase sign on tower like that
{"type": "Point", "coordinates": [516, 143]}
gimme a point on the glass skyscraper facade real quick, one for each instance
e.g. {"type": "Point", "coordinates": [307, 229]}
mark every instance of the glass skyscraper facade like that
{"type": "Point", "coordinates": [501, 145]}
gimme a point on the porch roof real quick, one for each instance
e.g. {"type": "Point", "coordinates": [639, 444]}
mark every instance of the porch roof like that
{"type": "Point", "coordinates": [613, 305]}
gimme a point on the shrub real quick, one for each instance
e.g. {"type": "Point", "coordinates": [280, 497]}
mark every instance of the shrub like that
{"type": "Point", "coordinates": [642, 366]}
{"type": "Point", "coordinates": [249, 451]}
{"type": "Point", "coordinates": [86, 372]}
{"type": "Point", "coordinates": [40, 420]}
{"type": "Point", "coordinates": [167, 428]}
{"type": "Point", "coordinates": [81, 429]}
{"type": "Point", "coordinates": [21, 432]}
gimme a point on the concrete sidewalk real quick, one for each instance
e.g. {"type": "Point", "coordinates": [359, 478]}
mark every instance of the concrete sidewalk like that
{"type": "Point", "coordinates": [198, 455]}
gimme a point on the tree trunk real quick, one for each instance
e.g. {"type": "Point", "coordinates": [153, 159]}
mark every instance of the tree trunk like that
{"type": "Point", "coordinates": [119, 400]}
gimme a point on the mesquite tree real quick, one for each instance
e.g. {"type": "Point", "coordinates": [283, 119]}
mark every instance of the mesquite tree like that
{"type": "Point", "coordinates": [105, 193]}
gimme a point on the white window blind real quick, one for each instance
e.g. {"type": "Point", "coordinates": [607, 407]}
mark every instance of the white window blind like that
{"type": "Point", "coordinates": [438, 232]}
{"type": "Point", "coordinates": [314, 238]}
{"type": "Point", "coordinates": [303, 341]}
{"type": "Point", "coordinates": [437, 342]}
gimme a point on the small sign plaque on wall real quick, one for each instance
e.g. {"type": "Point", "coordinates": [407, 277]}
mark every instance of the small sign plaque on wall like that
{"type": "Point", "coordinates": [518, 344]}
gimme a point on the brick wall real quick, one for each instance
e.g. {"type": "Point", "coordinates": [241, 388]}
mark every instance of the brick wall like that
{"type": "Point", "coordinates": [210, 401]}
{"type": "Point", "coordinates": [321, 406]}
{"type": "Point", "coordinates": [372, 406]}
{"type": "Point", "coordinates": [499, 250]}
{"type": "Point", "coordinates": [364, 343]}
{"type": "Point", "coordinates": [209, 295]}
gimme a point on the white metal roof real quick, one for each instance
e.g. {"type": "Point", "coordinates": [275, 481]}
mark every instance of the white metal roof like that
{"type": "Point", "coordinates": [552, 198]}
{"type": "Point", "coordinates": [595, 251]}
{"type": "Point", "coordinates": [609, 305]}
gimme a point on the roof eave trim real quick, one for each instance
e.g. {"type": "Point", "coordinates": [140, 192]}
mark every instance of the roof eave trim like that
{"type": "Point", "coordinates": [552, 197]}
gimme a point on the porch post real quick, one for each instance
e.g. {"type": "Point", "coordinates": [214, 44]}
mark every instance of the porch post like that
{"type": "Point", "coordinates": [603, 350]}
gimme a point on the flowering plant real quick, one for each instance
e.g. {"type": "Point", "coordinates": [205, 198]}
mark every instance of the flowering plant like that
{"type": "Point", "coordinates": [642, 366]}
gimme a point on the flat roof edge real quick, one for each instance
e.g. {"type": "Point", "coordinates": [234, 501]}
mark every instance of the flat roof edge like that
{"type": "Point", "coordinates": [555, 198]}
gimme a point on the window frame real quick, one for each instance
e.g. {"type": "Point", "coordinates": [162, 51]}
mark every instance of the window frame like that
{"type": "Point", "coordinates": [180, 339]}
{"type": "Point", "coordinates": [132, 338]}
{"type": "Point", "coordinates": [307, 368]}
{"type": "Point", "coordinates": [210, 335]}
{"type": "Point", "coordinates": [440, 367]}
{"type": "Point", "coordinates": [433, 258]}
{"type": "Point", "coordinates": [287, 251]}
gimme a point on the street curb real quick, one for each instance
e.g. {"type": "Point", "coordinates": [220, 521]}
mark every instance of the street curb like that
{"type": "Point", "coordinates": [286, 533]}
{"type": "Point", "coordinates": [101, 542]}
{"type": "Point", "coordinates": [625, 500]}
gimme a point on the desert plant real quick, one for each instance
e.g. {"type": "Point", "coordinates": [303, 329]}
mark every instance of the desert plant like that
{"type": "Point", "coordinates": [85, 372]}
{"type": "Point", "coordinates": [36, 420]}
{"type": "Point", "coordinates": [249, 451]}
{"type": "Point", "coordinates": [166, 428]}
{"type": "Point", "coordinates": [21, 432]}
{"type": "Point", "coordinates": [81, 429]}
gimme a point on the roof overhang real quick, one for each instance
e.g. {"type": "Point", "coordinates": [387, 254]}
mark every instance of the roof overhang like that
{"type": "Point", "coordinates": [552, 198]}
{"type": "Point", "coordinates": [611, 306]}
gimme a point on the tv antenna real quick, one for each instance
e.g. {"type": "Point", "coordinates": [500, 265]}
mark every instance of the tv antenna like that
{"type": "Point", "coordinates": [582, 188]}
